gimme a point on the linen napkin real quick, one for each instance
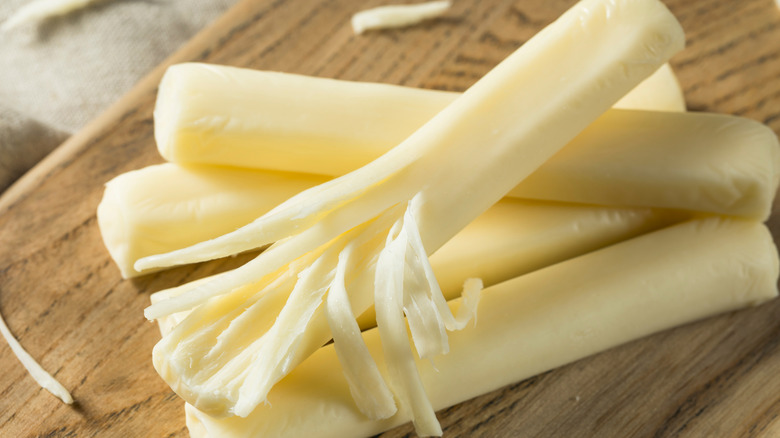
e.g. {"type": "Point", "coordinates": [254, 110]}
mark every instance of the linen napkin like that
{"type": "Point", "coordinates": [58, 74]}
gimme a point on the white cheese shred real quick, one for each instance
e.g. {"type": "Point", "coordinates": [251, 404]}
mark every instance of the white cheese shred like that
{"type": "Point", "coordinates": [269, 261]}
{"type": "Point", "coordinates": [472, 288]}
{"type": "Point", "coordinates": [392, 16]}
{"type": "Point", "coordinates": [287, 331]}
{"type": "Point", "coordinates": [41, 10]}
{"type": "Point", "coordinates": [44, 379]}
{"type": "Point", "coordinates": [401, 367]}
{"type": "Point", "coordinates": [369, 390]}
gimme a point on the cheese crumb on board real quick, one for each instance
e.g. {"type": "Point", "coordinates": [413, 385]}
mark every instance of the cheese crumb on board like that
{"type": "Point", "coordinates": [392, 16]}
{"type": "Point", "coordinates": [37, 372]}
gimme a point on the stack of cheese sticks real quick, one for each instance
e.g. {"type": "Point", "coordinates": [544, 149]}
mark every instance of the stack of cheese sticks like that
{"type": "Point", "coordinates": [614, 223]}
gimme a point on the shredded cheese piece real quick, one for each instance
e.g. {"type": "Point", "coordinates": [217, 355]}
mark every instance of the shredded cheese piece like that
{"type": "Point", "coordinates": [397, 15]}
{"type": "Point", "coordinates": [388, 296]}
{"type": "Point", "coordinates": [43, 378]}
{"type": "Point", "coordinates": [42, 9]}
{"type": "Point", "coordinates": [405, 284]}
{"type": "Point", "coordinates": [288, 329]}
{"type": "Point", "coordinates": [366, 385]}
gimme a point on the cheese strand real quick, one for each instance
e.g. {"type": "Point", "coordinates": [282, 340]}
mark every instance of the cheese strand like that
{"type": "Point", "coordinates": [43, 378]}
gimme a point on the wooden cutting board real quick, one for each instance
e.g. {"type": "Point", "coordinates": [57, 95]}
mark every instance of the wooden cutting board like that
{"type": "Point", "coordinates": [65, 301]}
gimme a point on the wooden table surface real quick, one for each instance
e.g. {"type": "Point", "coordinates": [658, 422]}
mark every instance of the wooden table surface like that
{"type": "Point", "coordinates": [64, 299]}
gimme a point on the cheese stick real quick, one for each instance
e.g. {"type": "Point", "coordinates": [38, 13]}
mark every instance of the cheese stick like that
{"type": "Point", "coordinates": [537, 322]}
{"type": "Point", "coordinates": [166, 207]}
{"type": "Point", "coordinates": [694, 161]}
{"type": "Point", "coordinates": [240, 117]}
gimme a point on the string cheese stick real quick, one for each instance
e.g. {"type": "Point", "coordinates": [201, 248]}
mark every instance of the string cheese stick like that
{"type": "Point", "coordinates": [397, 15]}
{"type": "Point", "coordinates": [215, 114]}
{"type": "Point", "coordinates": [166, 207]}
{"type": "Point", "coordinates": [401, 206]}
{"type": "Point", "coordinates": [259, 126]}
{"type": "Point", "coordinates": [538, 322]}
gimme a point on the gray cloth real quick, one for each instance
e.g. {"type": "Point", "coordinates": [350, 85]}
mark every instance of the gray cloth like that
{"type": "Point", "coordinates": [23, 142]}
{"type": "Point", "coordinates": [64, 71]}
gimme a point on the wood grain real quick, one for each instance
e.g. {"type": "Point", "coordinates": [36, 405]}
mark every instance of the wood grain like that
{"type": "Point", "coordinates": [64, 299]}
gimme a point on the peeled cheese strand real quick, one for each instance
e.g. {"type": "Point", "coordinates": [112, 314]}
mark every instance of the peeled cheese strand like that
{"type": "Point", "coordinates": [366, 384]}
{"type": "Point", "coordinates": [42, 9]}
{"type": "Point", "coordinates": [397, 15]}
{"type": "Point", "coordinates": [43, 378]}
{"type": "Point", "coordinates": [389, 298]}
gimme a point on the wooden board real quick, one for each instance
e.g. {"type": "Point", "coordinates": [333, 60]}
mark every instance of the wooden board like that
{"type": "Point", "coordinates": [64, 299]}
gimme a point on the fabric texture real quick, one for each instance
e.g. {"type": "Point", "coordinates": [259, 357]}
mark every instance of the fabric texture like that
{"type": "Point", "coordinates": [58, 74]}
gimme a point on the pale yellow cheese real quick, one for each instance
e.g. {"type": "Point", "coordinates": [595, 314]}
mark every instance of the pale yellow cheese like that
{"type": "Point", "coordinates": [714, 163]}
{"type": "Point", "coordinates": [697, 161]}
{"type": "Point", "coordinates": [611, 45]}
{"type": "Point", "coordinates": [701, 162]}
{"type": "Point", "coordinates": [36, 371]}
{"type": "Point", "coordinates": [659, 92]}
{"type": "Point", "coordinates": [515, 237]}
{"type": "Point", "coordinates": [166, 207]}
{"type": "Point", "coordinates": [226, 115]}
{"type": "Point", "coordinates": [538, 322]}
{"type": "Point", "coordinates": [391, 16]}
